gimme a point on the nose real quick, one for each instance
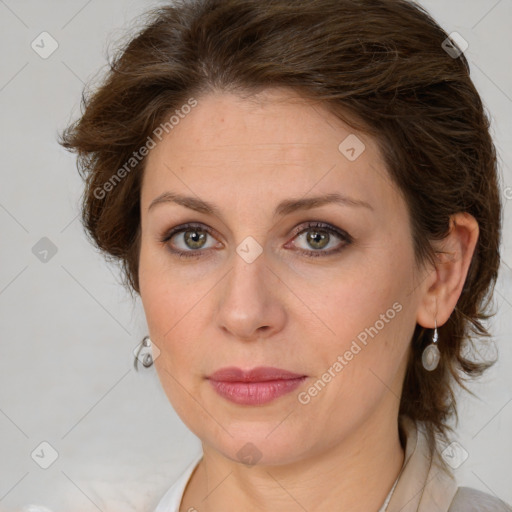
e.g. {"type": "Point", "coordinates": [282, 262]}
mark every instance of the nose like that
{"type": "Point", "coordinates": [250, 304]}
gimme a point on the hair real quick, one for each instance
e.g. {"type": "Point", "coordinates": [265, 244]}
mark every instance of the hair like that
{"type": "Point", "coordinates": [380, 66]}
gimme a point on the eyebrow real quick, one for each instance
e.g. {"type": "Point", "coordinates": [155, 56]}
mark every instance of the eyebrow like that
{"type": "Point", "coordinates": [283, 208]}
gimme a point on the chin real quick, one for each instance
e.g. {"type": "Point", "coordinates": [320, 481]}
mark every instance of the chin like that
{"type": "Point", "coordinates": [260, 444]}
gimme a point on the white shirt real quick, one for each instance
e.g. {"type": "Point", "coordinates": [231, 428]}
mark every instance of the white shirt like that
{"type": "Point", "coordinates": [172, 498]}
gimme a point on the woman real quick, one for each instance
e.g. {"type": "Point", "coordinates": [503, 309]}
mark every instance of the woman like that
{"type": "Point", "coordinates": [304, 195]}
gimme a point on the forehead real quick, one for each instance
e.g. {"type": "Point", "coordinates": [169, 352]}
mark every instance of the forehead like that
{"type": "Point", "coordinates": [275, 143]}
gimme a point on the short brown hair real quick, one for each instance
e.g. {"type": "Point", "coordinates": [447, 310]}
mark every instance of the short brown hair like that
{"type": "Point", "coordinates": [382, 62]}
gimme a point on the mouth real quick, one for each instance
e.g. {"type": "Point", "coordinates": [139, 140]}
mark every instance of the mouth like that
{"type": "Point", "coordinates": [258, 386]}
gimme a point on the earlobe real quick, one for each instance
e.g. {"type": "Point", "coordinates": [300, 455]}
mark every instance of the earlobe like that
{"type": "Point", "coordinates": [453, 258]}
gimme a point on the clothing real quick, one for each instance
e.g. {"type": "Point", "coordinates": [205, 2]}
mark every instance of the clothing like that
{"type": "Point", "coordinates": [172, 498]}
{"type": "Point", "coordinates": [422, 485]}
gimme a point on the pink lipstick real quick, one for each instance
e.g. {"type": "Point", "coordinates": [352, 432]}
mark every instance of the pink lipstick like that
{"type": "Point", "coordinates": [258, 386]}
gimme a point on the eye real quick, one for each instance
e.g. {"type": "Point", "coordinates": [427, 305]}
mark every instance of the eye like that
{"type": "Point", "coordinates": [191, 240]}
{"type": "Point", "coordinates": [319, 235]}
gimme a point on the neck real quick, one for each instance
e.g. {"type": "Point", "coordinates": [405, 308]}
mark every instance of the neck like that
{"type": "Point", "coordinates": [356, 475]}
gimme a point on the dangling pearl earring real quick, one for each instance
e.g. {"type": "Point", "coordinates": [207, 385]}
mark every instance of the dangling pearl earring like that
{"type": "Point", "coordinates": [431, 355]}
{"type": "Point", "coordinates": [146, 359]}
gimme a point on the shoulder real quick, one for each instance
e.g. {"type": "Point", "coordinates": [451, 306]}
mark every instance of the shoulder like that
{"type": "Point", "coordinates": [467, 499]}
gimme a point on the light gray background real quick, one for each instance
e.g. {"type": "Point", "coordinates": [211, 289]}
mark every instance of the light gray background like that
{"type": "Point", "coordinates": [68, 328]}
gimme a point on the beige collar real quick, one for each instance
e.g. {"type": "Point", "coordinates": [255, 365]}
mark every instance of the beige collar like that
{"type": "Point", "coordinates": [423, 485]}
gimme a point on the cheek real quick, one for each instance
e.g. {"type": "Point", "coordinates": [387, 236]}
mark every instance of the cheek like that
{"type": "Point", "coordinates": [371, 316]}
{"type": "Point", "coordinates": [366, 362]}
{"type": "Point", "coordinates": [173, 303]}
{"type": "Point", "coordinates": [170, 318]}
{"type": "Point", "coordinates": [358, 300]}
{"type": "Point", "coordinates": [166, 291]}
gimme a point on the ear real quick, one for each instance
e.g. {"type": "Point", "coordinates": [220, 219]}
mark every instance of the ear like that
{"type": "Point", "coordinates": [443, 285]}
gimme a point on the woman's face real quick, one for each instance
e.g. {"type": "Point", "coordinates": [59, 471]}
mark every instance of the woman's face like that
{"type": "Point", "coordinates": [257, 286]}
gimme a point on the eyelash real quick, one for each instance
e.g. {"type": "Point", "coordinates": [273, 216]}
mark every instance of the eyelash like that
{"type": "Point", "coordinates": [345, 237]}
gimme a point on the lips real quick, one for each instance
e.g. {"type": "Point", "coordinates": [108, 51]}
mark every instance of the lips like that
{"type": "Point", "coordinates": [259, 374]}
{"type": "Point", "coordinates": [258, 386]}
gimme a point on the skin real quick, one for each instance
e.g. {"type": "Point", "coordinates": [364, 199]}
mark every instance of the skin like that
{"type": "Point", "coordinates": [285, 309]}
